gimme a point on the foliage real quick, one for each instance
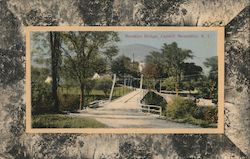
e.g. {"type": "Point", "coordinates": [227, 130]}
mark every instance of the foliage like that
{"type": "Point", "coordinates": [123, 65]}
{"type": "Point", "coordinates": [212, 63]}
{"type": "Point", "coordinates": [209, 114]}
{"type": "Point", "coordinates": [63, 121]}
{"type": "Point", "coordinates": [168, 62]}
{"type": "Point", "coordinates": [149, 83]}
{"type": "Point", "coordinates": [84, 56]}
{"type": "Point", "coordinates": [68, 102]}
{"type": "Point", "coordinates": [191, 70]}
{"type": "Point", "coordinates": [46, 53]}
{"type": "Point", "coordinates": [180, 107]}
{"type": "Point", "coordinates": [186, 110]}
{"type": "Point", "coordinates": [41, 99]}
{"type": "Point", "coordinates": [169, 84]}
{"type": "Point", "coordinates": [104, 85]}
{"type": "Point", "coordinates": [154, 67]}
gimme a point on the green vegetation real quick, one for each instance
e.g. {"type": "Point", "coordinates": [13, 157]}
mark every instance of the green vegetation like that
{"type": "Point", "coordinates": [123, 66]}
{"type": "Point", "coordinates": [180, 107]}
{"type": "Point", "coordinates": [69, 98]}
{"type": "Point", "coordinates": [186, 110]}
{"type": "Point", "coordinates": [63, 121]}
{"type": "Point", "coordinates": [104, 85]}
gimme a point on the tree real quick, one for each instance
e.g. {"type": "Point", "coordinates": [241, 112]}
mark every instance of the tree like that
{"type": "Point", "coordinates": [212, 63]}
{"type": "Point", "coordinates": [174, 57]}
{"type": "Point", "coordinates": [55, 45]}
{"type": "Point", "coordinates": [123, 66]}
{"type": "Point", "coordinates": [191, 73]}
{"type": "Point", "coordinates": [169, 61]}
{"type": "Point", "coordinates": [154, 67]}
{"type": "Point", "coordinates": [46, 53]}
{"type": "Point", "coordinates": [83, 55]}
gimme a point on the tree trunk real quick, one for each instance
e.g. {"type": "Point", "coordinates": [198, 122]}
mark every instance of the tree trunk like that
{"type": "Point", "coordinates": [54, 45]}
{"type": "Point", "coordinates": [81, 96]}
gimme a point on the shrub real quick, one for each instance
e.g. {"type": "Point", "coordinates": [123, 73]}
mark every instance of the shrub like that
{"type": "Point", "coordinates": [68, 102]}
{"type": "Point", "coordinates": [41, 98]}
{"type": "Point", "coordinates": [169, 84]}
{"type": "Point", "coordinates": [104, 85]}
{"type": "Point", "coordinates": [180, 107]}
{"type": "Point", "coordinates": [209, 114]}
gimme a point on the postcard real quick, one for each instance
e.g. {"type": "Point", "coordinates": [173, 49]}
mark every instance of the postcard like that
{"type": "Point", "coordinates": [125, 79]}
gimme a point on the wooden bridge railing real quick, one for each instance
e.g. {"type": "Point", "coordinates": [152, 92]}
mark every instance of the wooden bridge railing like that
{"type": "Point", "coordinates": [156, 109]}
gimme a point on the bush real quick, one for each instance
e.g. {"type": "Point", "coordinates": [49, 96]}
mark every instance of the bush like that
{"type": "Point", "coordinates": [209, 114]}
{"type": "Point", "coordinates": [41, 98]}
{"type": "Point", "coordinates": [180, 108]}
{"type": "Point", "coordinates": [169, 84]}
{"type": "Point", "coordinates": [104, 85]}
{"type": "Point", "coordinates": [68, 102]}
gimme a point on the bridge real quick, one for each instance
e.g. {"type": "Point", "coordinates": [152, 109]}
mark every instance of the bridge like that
{"type": "Point", "coordinates": [126, 112]}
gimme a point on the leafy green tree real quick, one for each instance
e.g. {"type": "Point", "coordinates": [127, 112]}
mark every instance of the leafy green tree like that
{"type": "Point", "coordinates": [169, 61]}
{"type": "Point", "coordinates": [83, 55]}
{"type": "Point", "coordinates": [191, 73]}
{"type": "Point", "coordinates": [212, 64]}
{"type": "Point", "coordinates": [154, 67]}
{"type": "Point", "coordinates": [123, 66]}
{"type": "Point", "coordinates": [46, 53]}
{"type": "Point", "coordinates": [174, 58]}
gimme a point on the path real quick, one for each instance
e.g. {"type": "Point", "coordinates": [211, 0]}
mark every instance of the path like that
{"type": "Point", "coordinates": [124, 112]}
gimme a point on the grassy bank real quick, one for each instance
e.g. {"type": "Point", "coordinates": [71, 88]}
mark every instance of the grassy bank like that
{"type": "Point", "coordinates": [63, 121]}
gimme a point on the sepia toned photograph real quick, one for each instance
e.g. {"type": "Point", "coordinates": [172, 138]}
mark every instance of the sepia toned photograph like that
{"type": "Point", "coordinates": [132, 79]}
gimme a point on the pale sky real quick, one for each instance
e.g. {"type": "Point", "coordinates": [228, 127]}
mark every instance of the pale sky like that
{"type": "Point", "coordinates": [202, 43]}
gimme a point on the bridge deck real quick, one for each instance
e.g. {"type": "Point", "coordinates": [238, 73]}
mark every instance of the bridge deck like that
{"type": "Point", "coordinates": [125, 112]}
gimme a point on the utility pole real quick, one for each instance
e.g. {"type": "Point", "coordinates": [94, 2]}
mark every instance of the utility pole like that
{"type": "Point", "coordinates": [141, 81]}
{"type": "Point", "coordinates": [112, 89]}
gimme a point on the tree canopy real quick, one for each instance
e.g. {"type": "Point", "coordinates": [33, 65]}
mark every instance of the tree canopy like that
{"type": "Point", "coordinates": [85, 55]}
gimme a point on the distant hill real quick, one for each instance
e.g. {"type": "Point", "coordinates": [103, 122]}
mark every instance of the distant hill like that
{"type": "Point", "coordinates": [140, 51]}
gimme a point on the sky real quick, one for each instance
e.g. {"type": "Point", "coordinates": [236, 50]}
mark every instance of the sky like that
{"type": "Point", "coordinates": [202, 43]}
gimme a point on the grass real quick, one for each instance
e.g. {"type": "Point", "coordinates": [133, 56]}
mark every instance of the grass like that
{"type": "Point", "coordinates": [118, 92]}
{"type": "Point", "coordinates": [63, 121]}
{"type": "Point", "coordinates": [191, 120]}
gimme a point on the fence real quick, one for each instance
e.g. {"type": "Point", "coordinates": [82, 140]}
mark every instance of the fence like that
{"type": "Point", "coordinates": [156, 109]}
